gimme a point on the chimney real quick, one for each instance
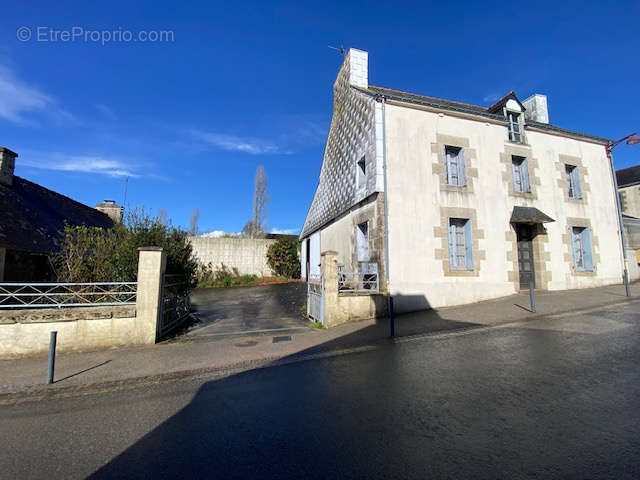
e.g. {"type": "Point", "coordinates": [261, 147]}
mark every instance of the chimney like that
{"type": "Point", "coordinates": [7, 166]}
{"type": "Point", "coordinates": [358, 61]}
{"type": "Point", "coordinates": [112, 209]}
{"type": "Point", "coordinates": [536, 106]}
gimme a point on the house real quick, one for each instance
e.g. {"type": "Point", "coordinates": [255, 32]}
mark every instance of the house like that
{"type": "Point", "coordinates": [456, 203]}
{"type": "Point", "coordinates": [629, 192]}
{"type": "Point", "coordinates": [32, 219]}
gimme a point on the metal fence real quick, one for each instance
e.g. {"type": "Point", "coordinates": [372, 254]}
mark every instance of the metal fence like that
{"type": "Point", "coordinates": [175, 304]}
{"type": "Point", "coordinates": [364, 281]}
{"type": "Point", "coordinates": [47, 295]}
{"type": "Point", "coordinates": [315, 304]}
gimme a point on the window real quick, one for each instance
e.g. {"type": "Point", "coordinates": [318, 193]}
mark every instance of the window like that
{"type": "Point", "coordinates": [362, 241]}
{"type": "Point", "coordinates": [514, 127]}
{"type": "Point", "coordinates": [581, 243]}
{"type": "Point", "coordinates": [361, 173]}
{"type": "Point", "coordinates": [460, 244]}
{"type": "Point", "coordinates": [456, 174]}
{"type": "Point", "coordinates": [520, 168]}
{"type": "Point", "coordinates": [573, 181]}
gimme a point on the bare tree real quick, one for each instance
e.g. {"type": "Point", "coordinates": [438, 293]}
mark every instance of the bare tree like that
{"type": "Point", "coordinates": [260, 201]}
{"type": "Point", "coordinates": [193, 222]}
{"type": "Point", "coordinates": [162, 217]}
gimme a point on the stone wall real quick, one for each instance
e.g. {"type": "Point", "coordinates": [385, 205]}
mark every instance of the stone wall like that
{"type": "Point", "coordinates": [247, 255]}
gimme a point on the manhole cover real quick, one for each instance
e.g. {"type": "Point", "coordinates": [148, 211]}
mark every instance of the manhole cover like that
{"type": "Point", "coordinates": [285, 338]}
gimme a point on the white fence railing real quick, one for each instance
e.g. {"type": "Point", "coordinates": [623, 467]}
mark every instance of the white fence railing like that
{"type": "Point", "coordinates": [364, 281]}
{"type": "Point", "coordinates": [42, 295]}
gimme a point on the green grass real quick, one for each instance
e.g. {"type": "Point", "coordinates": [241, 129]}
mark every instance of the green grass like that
{"type": "Point", "coordinates": [240, 281]}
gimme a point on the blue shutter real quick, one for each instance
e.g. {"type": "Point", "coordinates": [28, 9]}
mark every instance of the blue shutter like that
{"type": "Point", "coordinates": [517, 178]}
{"type": "Point", "coordinates": [575, 246]}
{"type": "Point", "coordinates": [586, 249]}
{"type": "Point", "coordinates": [468, 243]}
{"type": "Point", "coordinates": [447, 154]}
{"type": "Point", "coordinates": [577, 190]}
{"type": "Point", "coordinates": [452, 244]}
{"type": "Point", "coordinates": [524, 175]}
{"type": "Point", "coordinates": [462, 173]}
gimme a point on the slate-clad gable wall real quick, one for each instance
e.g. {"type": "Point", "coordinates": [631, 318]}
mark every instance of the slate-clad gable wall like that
{"type": "Point", "coordinates": [352, 135]}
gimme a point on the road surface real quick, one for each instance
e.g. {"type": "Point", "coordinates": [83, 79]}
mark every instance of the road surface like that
{"type": "Point", "coordinates": [549, 398]}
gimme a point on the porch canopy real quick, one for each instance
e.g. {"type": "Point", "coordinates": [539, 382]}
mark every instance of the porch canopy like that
{"type": "Point", "coordinates": [529, 215]}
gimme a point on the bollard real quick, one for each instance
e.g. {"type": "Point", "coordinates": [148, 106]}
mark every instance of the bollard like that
{"type": "Point", "coordinates": [626, 282]}
{"type": "Point", "coordinates": [392, 327]}
{"type": "Point", "coordinates": [52, 356]}
{"type": "Point", "coordinates": [532, 296]}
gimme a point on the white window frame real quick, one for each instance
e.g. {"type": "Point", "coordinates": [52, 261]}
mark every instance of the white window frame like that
{"type": "Point", "coordinates": [362, 242]}
{"type": "Point", "coordinates": [514, 127]}
{"type": "Point", "coordinates": [361, 172]}
{"type": "Point", "coordinates": [455, 171]}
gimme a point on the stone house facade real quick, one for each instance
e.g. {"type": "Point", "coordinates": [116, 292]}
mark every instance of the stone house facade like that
{"type": "Point", "coordinates": [458, 203]}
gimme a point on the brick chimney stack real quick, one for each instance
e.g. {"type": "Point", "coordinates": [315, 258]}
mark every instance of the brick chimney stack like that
{"type": "Point", "coordinates": [112, 209]}
{"type": "Point", "coordinates": [7, 166]}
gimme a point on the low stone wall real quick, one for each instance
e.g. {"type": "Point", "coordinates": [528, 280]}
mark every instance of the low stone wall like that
{"type": "Point", "coordinates": [26, 331]}
{"type": "Point", "coordinates": [247, 255]}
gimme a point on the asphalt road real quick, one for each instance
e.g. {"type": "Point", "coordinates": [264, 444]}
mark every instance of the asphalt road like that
{"type": "Point", "coordinates": [242, 310]}
{"type": "Point", "coordinates": [554, 398]}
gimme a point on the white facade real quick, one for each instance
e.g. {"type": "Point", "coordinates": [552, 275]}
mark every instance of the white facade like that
{"type": "Point", "coordinates": [409, 210]}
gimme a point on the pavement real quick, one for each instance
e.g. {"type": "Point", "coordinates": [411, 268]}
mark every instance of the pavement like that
{"type": "Point", "coordinates": [193, 355]}
{"type": "Point", "coordinates": [550, 397]}
{"type": "Point", "coordinates": [246, 310]}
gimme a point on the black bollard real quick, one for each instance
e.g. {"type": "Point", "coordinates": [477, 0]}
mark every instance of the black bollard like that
{"type": "Point", "coordinates": [52, 356]}
{"type": "Point", "coordinates": [532, 296]}
{"type": "Point", "coordinates": [392, 326]}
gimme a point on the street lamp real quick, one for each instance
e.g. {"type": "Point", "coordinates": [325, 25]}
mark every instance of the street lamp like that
{"type": "Point", "coordinates": [631, 139]}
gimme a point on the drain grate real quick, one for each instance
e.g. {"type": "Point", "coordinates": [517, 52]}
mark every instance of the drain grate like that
{"type": "Point", "coordinates": [284, 338]}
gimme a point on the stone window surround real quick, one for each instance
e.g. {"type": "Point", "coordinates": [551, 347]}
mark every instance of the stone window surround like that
{"type": "Point", "coordinates": [568, 254]}
{"type": "Point", "coordinates": [510, 150]}
{"type": "Point", "coordinates": [442, 231]}
{"type": "Point", "coordinates": [564, 160]}
{"type": "Point", "coordinates": [541, 256]}
{"type": "Point", "coordinates": [439, 166]}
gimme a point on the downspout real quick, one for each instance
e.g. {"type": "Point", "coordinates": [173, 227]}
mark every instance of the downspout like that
{"type": "Point", "coordinates": [381, 99]}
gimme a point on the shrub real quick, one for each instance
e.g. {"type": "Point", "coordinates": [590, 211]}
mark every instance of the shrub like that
{"type": "Point", "coordinates": [283, 259]}
{"type": "Point", "coordinates": [223, 277]}
{"type": "Point", "coordinates": [93, 254]}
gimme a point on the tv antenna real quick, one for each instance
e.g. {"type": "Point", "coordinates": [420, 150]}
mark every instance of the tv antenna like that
{"type": "Point", "coordinates": [340, 49]}
{"type": "Point", "coordinates": [126, 185]}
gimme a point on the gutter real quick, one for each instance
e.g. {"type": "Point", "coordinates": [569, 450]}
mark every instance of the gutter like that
{"type": "Point", "coordinates": [382, 100]}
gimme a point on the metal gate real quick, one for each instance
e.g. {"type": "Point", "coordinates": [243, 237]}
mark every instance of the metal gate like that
{"type": "Point", "coordinates": [315, 303]}
{"type": "Point", "coordinates": [175, 305]}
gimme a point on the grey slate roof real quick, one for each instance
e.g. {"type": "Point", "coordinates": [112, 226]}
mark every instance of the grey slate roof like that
{"type": "Point", "coordinates": [469, 108]}
{"type": "Point", "coordinates": [33, 216]}
{"type": "Point", "coordinates": [628, 176]}
{"type": "Point", "coordinates": [529, 215]}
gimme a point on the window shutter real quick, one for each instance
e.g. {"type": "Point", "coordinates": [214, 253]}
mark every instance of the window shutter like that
{"type": "Point", "coordinates": [468, 243]}
{"type": "Point", "coordinates": [577, 191]}
{"type": "Point", "coordinates": [524, 173]}
{"type": "Point", "coordinates": [452, 244]}
{"type": "Point", "coordinates": [575, 242]}
{"type": "Point", "coordinates": [517, 181]}
{"type": "Point", "coordinates": [462, 173]}
{"type": "Point", "coordinates": [448, 161]}
{"type": "Point", "coordinates": [586, 248]}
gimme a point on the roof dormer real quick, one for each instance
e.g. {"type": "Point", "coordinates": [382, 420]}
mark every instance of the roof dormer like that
{"type": "Point", "coordinates": [513, 111]}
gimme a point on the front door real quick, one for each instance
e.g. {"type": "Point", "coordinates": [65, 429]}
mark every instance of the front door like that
{"type": "Point", "coordinates": [525, 254]}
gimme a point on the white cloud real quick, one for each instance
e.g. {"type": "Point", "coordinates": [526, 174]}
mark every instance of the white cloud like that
{"type": "Point", "coordinates": [80, 163]}
{"type": "Point", "coordinates": [491, 97]}
{"type": "Point", "coordinates": [219, 233]}
{"type": "Point", "coordinates": [106, 111]}
{"type": "Point", "coordinates": [236, 144]}
{"type": "Point", "coordinates": [285, 231]}
{"type": "Point", "coordinates": [18, 100]}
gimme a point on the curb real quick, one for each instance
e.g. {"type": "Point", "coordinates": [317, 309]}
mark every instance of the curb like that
{"type": "Point", "coordinates": [39, 392]}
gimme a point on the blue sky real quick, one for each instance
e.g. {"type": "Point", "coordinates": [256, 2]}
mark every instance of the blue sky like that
{"type": "Point", "coordinates": [248, 83]}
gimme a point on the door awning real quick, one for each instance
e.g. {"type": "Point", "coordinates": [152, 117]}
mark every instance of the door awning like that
{"type": "Point", "coordinates": [529, 215]}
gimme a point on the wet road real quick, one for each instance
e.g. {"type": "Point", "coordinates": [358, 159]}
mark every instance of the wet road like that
{"type": "Point", "coordinates": [556, 398]}
{"type": "Point", "coordinates": [242, 310]}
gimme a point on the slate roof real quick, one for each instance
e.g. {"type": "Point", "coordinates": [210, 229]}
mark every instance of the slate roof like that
{"type": "Point", "coordinates": [32, 216]}
{"type": "Point", "coordinates": [469, 108]}
{"type": "Point", "coordinates": [628, 176]}
{"type": "Point", "coordinates": [529, 215]}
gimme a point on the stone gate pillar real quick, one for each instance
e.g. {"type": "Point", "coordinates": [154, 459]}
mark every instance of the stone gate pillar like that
{"type": "Point", "coordinates": [329, 270]}
{"type": "Point", "coordinates": [152, 262]}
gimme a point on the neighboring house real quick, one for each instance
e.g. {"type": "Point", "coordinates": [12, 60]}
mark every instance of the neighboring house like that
{"type": "Point", "coordinates": [629, 191]}
{"type": "Point", "coordinates": [31, 222]}
{"type": "Point", "coordinates": [474, 201]}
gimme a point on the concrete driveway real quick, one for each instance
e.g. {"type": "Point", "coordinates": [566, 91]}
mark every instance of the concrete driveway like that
{"type": "Point", "coordinates": [249, 310]}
